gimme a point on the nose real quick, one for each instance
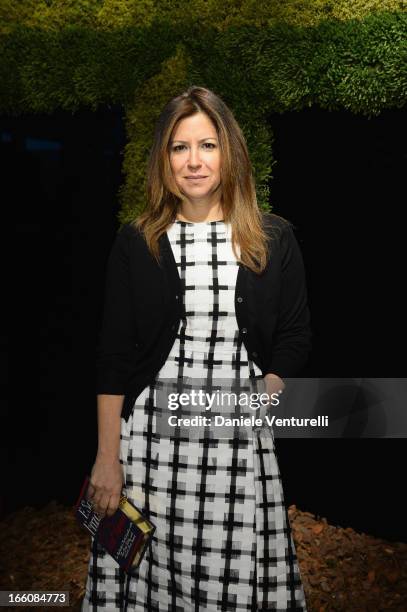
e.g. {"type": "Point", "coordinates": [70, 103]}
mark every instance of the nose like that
{"type": "Point", "coordinates": [194, 158]}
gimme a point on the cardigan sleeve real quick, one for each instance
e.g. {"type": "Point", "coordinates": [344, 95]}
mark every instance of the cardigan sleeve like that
{"type": "Point", "coordinates": [117, 339]}
{"type": "Point", "coordinates": [292, 337]}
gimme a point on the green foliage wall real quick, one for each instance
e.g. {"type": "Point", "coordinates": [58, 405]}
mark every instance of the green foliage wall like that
{"type": "Point", "coordinates": [260, 57]}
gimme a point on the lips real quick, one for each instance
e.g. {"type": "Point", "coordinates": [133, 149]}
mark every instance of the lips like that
{"type": "Point", "coordinates": [198, 176]}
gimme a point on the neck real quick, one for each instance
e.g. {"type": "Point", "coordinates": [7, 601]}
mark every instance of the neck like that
{"type": "Point", "coordinates": [194, 213]}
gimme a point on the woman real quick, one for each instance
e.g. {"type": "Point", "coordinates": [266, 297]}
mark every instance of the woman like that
{"type": "Point", "coordinates": [202, 286]}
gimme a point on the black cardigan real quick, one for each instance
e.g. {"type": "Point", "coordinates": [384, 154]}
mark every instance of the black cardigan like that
{"type": "Point", "coordinates": [143, 307]}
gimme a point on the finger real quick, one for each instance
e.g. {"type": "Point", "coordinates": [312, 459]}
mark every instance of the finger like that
{"type": "Point", "coordinates": [97, 503]}
{"type": "Point", "coordinates": [90, 492]}
{"type": "Point", "coordinates": [113, 505]}
{"type": "Point", "coordinates": [104, 505]}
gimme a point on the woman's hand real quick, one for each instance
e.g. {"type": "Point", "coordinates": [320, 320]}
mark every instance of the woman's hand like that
{"type": "Point", "coordinates": [274, 384]}
{"type": "Point", "coordinates": [105, 487]}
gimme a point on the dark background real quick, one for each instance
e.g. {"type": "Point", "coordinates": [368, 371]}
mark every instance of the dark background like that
{"type": "Point", "coordinates": [338, 179]}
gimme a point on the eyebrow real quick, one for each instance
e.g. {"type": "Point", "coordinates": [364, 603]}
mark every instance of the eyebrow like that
{"type": "Point", "coordinates": [202, 139]}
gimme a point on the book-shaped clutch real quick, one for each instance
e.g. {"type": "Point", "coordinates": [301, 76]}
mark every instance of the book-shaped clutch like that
{"type": "Point", "coordinates": [124, 535]}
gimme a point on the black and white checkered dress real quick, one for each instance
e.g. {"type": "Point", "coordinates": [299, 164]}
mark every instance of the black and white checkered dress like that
{"type": "Point", "coordinates": [222, 540]}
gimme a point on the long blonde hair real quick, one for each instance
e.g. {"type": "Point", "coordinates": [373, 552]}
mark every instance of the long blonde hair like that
{"type": "Point", "coordinates": [238, 194]}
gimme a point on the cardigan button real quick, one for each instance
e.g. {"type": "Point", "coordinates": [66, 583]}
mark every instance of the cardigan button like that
{"type": "Point", "coordinates": [177, 297]}
{"type": "Point", "coordinates": [244, 330]}
{"type": "Point", "coordinates": [240, 299]}
{"type": "Point", "coordinates": [254, 354]}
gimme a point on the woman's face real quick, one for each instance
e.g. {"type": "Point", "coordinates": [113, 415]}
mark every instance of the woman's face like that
{"type": "Point", "coordinates": [194, 151]}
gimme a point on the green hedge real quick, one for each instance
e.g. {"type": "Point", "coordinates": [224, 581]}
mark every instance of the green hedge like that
{"type": "Point", "coordinates": [113, 14]}
{"type": "Point", "coordinates": [75, 53]}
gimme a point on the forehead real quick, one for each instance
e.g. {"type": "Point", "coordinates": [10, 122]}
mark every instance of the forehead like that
{"type": "Point", "coordinates": [196, 126]}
